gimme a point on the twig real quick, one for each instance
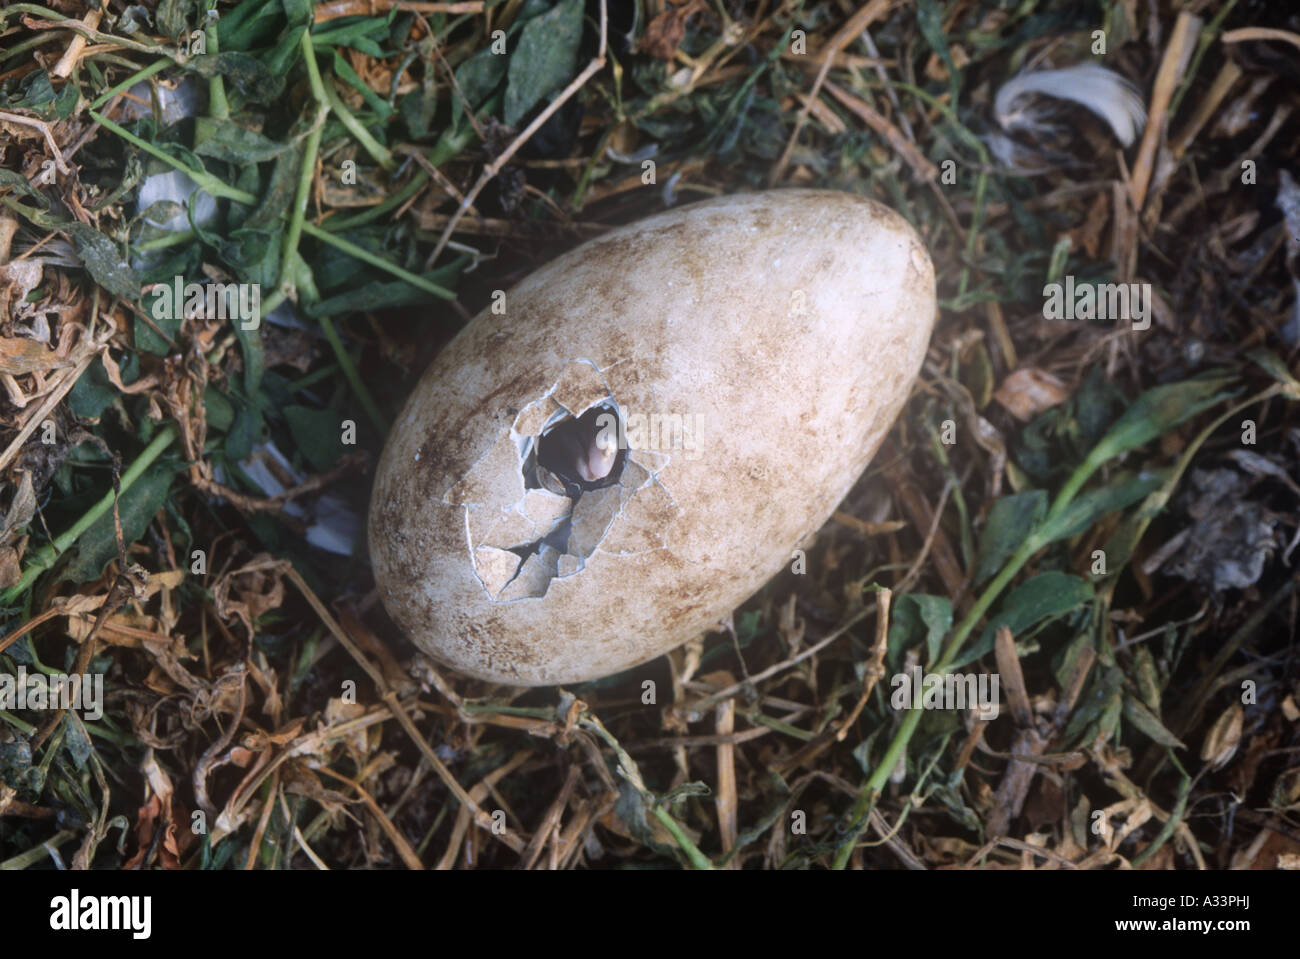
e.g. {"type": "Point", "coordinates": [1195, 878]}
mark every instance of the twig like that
{"type": "Point", "coordinates": [260, 504]}
{"type": "Point", "coordinates": [1182, 42]}
{"type": "Point", "coordinates": [1208, 107]}
{"type": "Point", "coordinates": [812, 650]}
{"type": "Point", "coordinates": [350, 8]}
{"type": "Point", "coordinates": [924, 170]}
{"type": "Point", "coordinates": [724, 797]}
{"type": "Point", "coordinates": [875, 663]}
{"type": "Point", "coordinates": [398, 840]}
{"type": "Point", "coordinates": [49, 138]}
{"type": "Point", "coordinates": [76, 26]}
{"type": "Point", "coordinates": [481, 818]}
{"type": "Point", "coordinates": [842, 38]}
{"type": "Point", "coordinates": [551, 821]}
{"type": "Point", "coordinates": [1261, 33]}
{"type": "Point", "coordinates": [50, 402]}
{"type": "Point", "coordinates": [493, 168]}
{"type": "Point", "coordinates": [68, 62]}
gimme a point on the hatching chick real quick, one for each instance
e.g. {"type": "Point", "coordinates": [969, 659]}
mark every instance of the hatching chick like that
{"type": "Point", "coordinates": [581, 451]}
{"type": "Point", "coordinates": [587, 456]}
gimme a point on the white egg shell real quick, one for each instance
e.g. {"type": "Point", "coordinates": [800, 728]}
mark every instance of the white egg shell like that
{"type": "Point", "coordinates": [757, 347]}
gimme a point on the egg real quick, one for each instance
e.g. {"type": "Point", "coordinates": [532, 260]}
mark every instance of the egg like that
{"type": "Point", "coordinates": [629, 443]}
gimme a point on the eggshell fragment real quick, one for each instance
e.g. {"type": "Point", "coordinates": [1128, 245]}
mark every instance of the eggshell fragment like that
{"type": "Point", "coordinates": [756, 348]}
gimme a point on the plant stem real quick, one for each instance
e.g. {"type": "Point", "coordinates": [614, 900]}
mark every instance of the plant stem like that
{"type": "Point", "coordinates": [336, 224]}
{"type": "Point", "coordinates": [45, 557]}
{"type": "Point", "coordinates": [218, 108]}
{"type": "Point", "coordinates": [38, 852]}
{"type": "Point", "coordinates": [352, 375]}
{"type": "Point", "coordinates": [380, 153]}
{"type": "Point", "coordinates": [205, 180]}
{"type": "Point", "coordinates": [36, 41]}
{"type": "Point", "coordinates": [1175, 817]}
{"type": "Point", "coordinates": [214, 186]}
{"type": "Point", "coordinates": [297, 224]}
{"type": "Point", "coordinates": [76, 26]}
{"type": "Point", "coordinates": [628, 767]}
{"type": "Point", "coordinates": [1032, 543]}
{"type": "Point", "coordinates": [378, 262]}
{"type": "Point", "coordinates": [449, 145]}
{"type": "Point", "coordinates": [129, 82]}
{"type": "Point", "coordinates": [312, 149]}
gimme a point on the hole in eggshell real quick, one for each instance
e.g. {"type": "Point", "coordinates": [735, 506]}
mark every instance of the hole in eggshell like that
{"type": "Point", "coordinates": [582, 452]}
{"type": "Point", "coordinates": [581, 492]}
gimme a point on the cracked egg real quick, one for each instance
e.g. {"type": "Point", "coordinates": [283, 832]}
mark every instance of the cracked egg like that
{"type": "Point", "coordinates": [644, 434]}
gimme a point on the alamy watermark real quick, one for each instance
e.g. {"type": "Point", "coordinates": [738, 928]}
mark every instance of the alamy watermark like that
{"type": "Point", "coordinates": [1098, 301]}
{"type": "Point", "coordinates": [975, 691]}
{"type": "Point", "coordinates": [651, 431]}
{"type": "Point", "coordinates": [78, 913]}
{"type": "Point", "coordinates": [83, 692]}
{"type": "Point", "coordinates": [213, 301]}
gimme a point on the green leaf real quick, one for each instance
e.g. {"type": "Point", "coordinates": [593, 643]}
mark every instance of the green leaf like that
{"type": "Point", "coordinates": [1038, 599]}
{"type": "Point", "coordinates": [38, 93]}
{"type": "Point", "coordinates": [148, 340]}
{"type": "Point", "coordinates": [249, 25]}
{"type": "Point", "coordinates": [684, 791]}
{"type": "Point", "coordinates": [317, 435]}
{"type": "Point", "coordinates": [1087, 508]}
{"type": "Point", "coordinates": [77, 742]}
{"type": "Point", "coordinates": [376, 103]}
{"type": "Point", "coordinates": [246, 74]}
{"type": "Point", "coordinates": [1101, 699]}
{"type": "Point", "coordinates": [250, 344]}
{"type": "Point", "coordinates": [915, 615]}
{"type": "Point", "coordinates": [218, 410]}
{"type": "Point", "coordinates": [1276, 368]}
{"type": "Point", "coordinates": [66, 102]}
{"type": "Point", "coordinates": [93, 393]}
{"type": "Point", "coordinates": [227, 140]}
{"type": "Point", "coordinates": [1147, 722]}
{"type": "Point", "coordinates": [298, 11]}
{"type": "Point", "coordinates": [1010, 522]}
{"type": "Point", "coordinates": [775, 795]}
{"type": "Point", "coordinates": [184, 263]}
{"type": "Point", "coordinates": [360, 35]}
{"type": "Point", "coordinates": [245, 432]}
{"type": "Point", "coordinates": [378, 295]}
{"type": "Point", "coordinates": [477, 77]}
{"type": "Point", "coordinates": [419, 107]}
{"type": "Point", "coordinates": [279, 192]}
{"type": "Point", "coordinates": [137, 506]}
{"type": "Point", "coordinates": [1159, 410]}
{"type": "Point", "coordinates": [545, 58]}
{"type": "Point", "coordinates": [862, 752]}
{"type": "Point", "coordinates": [1096, 404]}
{"type": "Point", "coordinates": [280, 58]}
{"type": "Point", "coordinates": [1068, 659]}
{"type": "Point", "coordinates": [104, 262]}
{"type": "Point", "coordinates": [255, 255]}
{"type": "Point", "coordinates": [12, 178]}
{"type": "Point", "coordinates": [174, 17]}
{"type": "Point", "coordinates": [630, 807]}
{"type": "Point", "coordinates": [929, 18]}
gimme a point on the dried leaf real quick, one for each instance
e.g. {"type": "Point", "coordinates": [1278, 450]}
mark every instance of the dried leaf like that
{"type": "Point", "coordinates": [1027, 392]}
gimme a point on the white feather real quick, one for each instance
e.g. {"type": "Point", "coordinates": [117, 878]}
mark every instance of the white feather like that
{"type": "Point", "coordinates": [1103, 91]}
